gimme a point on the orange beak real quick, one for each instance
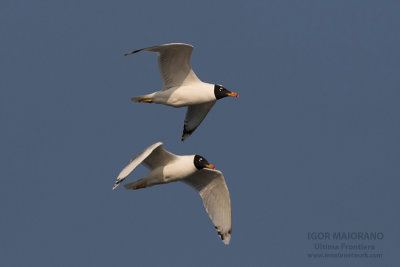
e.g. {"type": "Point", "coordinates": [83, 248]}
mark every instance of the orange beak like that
{"type": "Point", "coordinates": [233, 94]}
{"type": "Point", "coordinates": [210, 166]}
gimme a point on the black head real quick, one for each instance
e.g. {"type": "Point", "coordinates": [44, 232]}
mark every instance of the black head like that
{"type": "Point", "coordinates": [221, 92]}
{"type": "Point", "coordinates": [200, 163]}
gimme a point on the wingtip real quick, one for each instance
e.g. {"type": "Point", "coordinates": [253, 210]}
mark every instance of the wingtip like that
{"type": "Point", "coordinates": [186, 134]}
{"type": "Point", "coordinates": [226, 241]}
{"type": "Point", "coordinates": [225, 236]}
{"type": "Point", "coordinates": [116, 184]}
{"type": "Point", "coordinates": [132, 52]}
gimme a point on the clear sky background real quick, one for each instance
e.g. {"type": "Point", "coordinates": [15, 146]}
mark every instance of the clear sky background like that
{"type": "Point", "coordinates": [311, 145]}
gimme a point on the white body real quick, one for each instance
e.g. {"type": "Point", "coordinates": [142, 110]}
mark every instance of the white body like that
{"type": "Point", "coordinates": [176, 170]}
{"type": "Point", "coordinates": [178, 96]}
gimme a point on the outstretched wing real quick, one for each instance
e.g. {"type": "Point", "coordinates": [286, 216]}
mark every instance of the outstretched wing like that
{"type": "Point", "coordinates": [211, 186]}
{"type": "Point", "coordinates": [174, 64]}
{"type": "Point", "coordinates": [195, 114]}
{"type": "Point", "coordinates": [152, 157]}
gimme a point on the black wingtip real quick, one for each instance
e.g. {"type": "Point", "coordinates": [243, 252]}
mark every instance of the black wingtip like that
{"type": "Point", "coordinates": [186, 133]}
{"type": "Point", "coordinates": [183, 137]}
{"type": "Point", "coordinates": [132, 52]}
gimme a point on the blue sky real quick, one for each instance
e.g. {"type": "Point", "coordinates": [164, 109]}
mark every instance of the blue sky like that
{"type": "Point", "coordinates": [311, 144]}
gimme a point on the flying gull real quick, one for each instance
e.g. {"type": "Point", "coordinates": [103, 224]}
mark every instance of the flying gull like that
{"type": "Point", "coordinates": [181, 86]}
{"type": "Point", "coordinates": [193, 170]}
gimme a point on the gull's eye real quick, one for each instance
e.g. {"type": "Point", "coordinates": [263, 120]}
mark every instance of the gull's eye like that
{"type": "Point", "coordinates": [200, 159]}
{"type": "Point", "coordinates": [220, 89]}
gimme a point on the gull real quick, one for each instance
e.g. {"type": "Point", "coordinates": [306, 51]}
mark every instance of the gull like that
{"type": "Point", "coordinates": [181, 86]}
{"type": "Point", "coordinates": [193, 170]}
